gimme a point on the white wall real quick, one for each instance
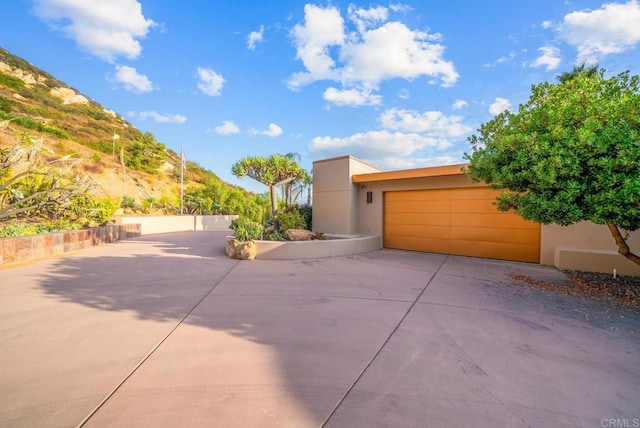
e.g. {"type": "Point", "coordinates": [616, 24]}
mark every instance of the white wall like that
{"type": "Point", "coordinates": [178, 223]}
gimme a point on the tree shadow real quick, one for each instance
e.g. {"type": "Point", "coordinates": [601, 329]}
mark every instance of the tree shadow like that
{"type": "Point", "coordinates": [164, 277]}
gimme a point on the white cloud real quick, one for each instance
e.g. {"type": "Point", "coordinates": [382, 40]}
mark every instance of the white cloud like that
{"type": "Point", "coordinates": [273, 131]}
{"type": "Point", "coordinates": [322, 29]}
{"type": "Point", "coordinates": [351, 97]}
{"type": "Point", "coordinates": [407, 135]}
{"type": "Point", "coordinates": [376, 51]}
{"type": "Point", "coordinates": [549, 58]}
{"type": "Point", "coordinates": [399, 7]}
{"type": "Point", "coordinates": [404, 94]}
{"type": "Point", "coordinates": [393, 50]}
{"type": "Point", "coordinates": [367, 18]}
{"type": "Point", "coordinates": [159, 118]}
{"type": "Point", "coordinates": [228, 127]}
{"type": "Point", "coordinates": [393, 163]}
{"type": "Point", "coordinates": [458, 104]}
{"type": "Point", "coordinates": [375, 145]}
{"type": "Point", "coordinates": [255, 37]}
{"type": "Point", "coordinates": [131, 79]}
{"type": "Point", "coordinates": [210, 83]}
{"type": "Point", "coordinates": [432, 123]}
{"type": "Point", "coordinates": [106, 29]}
{"type": "Point", "coordinates": [499, 105]}
{"type": "Point", "coordinates": [614, 28]}
{"type": "Point", "coordinates": [546, 24]}
{"type": "Point", "coordinates": [509, 57]}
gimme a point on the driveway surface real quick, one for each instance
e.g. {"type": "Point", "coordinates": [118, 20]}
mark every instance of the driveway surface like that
{"type": "Point", "coordinates": [166, 331]}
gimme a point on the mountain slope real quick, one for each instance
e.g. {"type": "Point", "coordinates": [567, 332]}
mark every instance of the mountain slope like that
{"type": "Point", "coordinates": [70, 123]}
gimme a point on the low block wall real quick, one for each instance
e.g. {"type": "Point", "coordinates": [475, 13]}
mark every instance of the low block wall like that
{"type": "Point", "coordinates": [26, 248]}
{"type": "Point", "coordinates": [594, 261]}
{"type": "Point", "coordinates": [287, 250]}
{"type": "Point", "coordinates": [178, 223]}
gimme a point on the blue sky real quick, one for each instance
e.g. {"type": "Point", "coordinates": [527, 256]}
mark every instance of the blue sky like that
{"type": "Point", "coordinates": [400, 85]}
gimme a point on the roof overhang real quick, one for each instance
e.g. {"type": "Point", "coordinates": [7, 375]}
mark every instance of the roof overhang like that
{"type": "Point", "coordinates": [436, 171]}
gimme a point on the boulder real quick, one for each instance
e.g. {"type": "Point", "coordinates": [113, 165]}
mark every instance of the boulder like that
{"type": "Point", "coordinates": [240, 250]}
{"type": "Point", "coordinates": [298, 235]}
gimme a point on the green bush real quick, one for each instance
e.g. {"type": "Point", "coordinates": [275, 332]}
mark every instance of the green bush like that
{"type": "Point", "coordinates": [128, 202]}
{"type": "Point", "coordinates": [291, 219]}
{"type": "Point", "coordinates": [246, 230]}
{"type": "Point", "coordinates": [27, 229]}
{"type": "Point", "coordinates": [306, 211]}
{"type": "Point", "coordinates": [274, 236]}
{"type": "Point", "coordinates": [5, 105]}
{"type": "Point", "coordinates": [10, 81]}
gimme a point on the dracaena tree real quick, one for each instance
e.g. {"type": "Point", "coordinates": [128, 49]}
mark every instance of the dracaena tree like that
{"type": "Point", "coordinates": [570, 154]}
{"type": "Point", "coordinates": [273, 171]}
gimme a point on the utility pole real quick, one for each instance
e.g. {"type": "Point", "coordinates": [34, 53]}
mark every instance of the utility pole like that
{"type": "Point", "coordinates": [124, 175]}
{"type": "Point", "coordinates": [113, 147]}
{"type": "Point", "coordinates": [183, 161]}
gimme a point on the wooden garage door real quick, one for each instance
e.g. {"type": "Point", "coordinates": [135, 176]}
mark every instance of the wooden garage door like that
{"type": "Point", "coordinates": [458, 221]}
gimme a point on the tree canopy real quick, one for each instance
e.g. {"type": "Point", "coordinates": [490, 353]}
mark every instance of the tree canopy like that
{"type": "Point", "coordinates": [274, 171]}
{"type": "Point", "coordinates": [571, 153]}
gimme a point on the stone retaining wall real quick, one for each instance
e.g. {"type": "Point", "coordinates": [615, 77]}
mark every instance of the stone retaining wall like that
{"type": "Point", "coordinates": [26, 248]}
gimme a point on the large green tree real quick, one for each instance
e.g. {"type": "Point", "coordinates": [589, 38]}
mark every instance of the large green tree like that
{"type": "Point", "coordinates": [571, 153]}
{"type": "Point", "coordinates": [274, 171]}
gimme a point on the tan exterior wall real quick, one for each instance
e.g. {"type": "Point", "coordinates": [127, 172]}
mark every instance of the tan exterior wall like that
{"type": "Point", "coordinates": [335, 197]}
{"type": "Point", "coordinates": [588, 247]}
{"type": "Point", "coordinates": [341, 207]}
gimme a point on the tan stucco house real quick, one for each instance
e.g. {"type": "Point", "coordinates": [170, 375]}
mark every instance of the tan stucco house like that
{"type": "Point", "coordinates": [439, 209]}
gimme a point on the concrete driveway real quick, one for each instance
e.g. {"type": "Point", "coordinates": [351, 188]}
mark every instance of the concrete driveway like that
{"type": "Point", "coordinates": [166, 331]}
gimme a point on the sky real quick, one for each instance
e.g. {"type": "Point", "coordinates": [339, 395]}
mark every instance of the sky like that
{"type": "Point", "coordinates": [397, 84]}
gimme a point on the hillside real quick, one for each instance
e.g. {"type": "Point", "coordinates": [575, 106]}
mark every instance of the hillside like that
{"type": "Point", "coordinates": [71, 123]}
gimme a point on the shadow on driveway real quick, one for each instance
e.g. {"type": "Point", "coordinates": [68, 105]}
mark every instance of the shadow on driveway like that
{"type": "Point", "coordinates": [175, 333]}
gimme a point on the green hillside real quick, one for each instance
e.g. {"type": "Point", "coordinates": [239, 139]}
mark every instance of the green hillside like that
{"type": "Point", "coordinates": [73, 125]}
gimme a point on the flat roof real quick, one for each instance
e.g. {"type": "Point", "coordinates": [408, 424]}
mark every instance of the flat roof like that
{"type": "Point", "coordinates": [435, 171]}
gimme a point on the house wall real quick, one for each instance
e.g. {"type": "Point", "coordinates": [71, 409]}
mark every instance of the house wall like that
{"type": "Point", "coordinates": [341, 207]}
{"type": "Point", "coordinates": [588, 247]}
{"type": "Point", "coordinates": [335, 196]}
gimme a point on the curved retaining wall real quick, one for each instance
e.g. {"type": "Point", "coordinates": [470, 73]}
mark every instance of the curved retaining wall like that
{"type": "Point", "coordinates": [344, 246]}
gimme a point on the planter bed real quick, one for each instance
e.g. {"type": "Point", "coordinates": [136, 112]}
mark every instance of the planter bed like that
{"type": "Point", "coordinates": [336, 245]}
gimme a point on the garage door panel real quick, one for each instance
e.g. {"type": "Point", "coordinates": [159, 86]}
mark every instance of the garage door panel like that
{"type": "Point", "coordinates": [497, 219]}
{"type": "Point", "coordinates": [474, 227]}
{"type": "Point", "coordinates": [414, 243]}
{"type": "Point", "coordinates": [431, 195]}
{"type": "Point", "coordinates": [489, 234]}
{"type": "Point", "coordinates": [496, 250]}
{"type": "Point", "coordinates": [473, 206]}
{"type": "Point", "coordinates": [425, 207]}
{"type": "Point", "coordinates": [436, 219]}
{"type": "Point", "coordinates": [473, 193]}
{"type": "Point", "coordinates": [420, 231]}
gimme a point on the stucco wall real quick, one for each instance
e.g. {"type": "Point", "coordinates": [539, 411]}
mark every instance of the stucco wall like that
{"type": "Point", "coordinates": [335, 197]}
{"type": "Point", "coordinates": [341, 207]}
{"type": "Point", "coordinates": [588, 247]}
{"type": "Point", "coordinates": [178, 223]}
